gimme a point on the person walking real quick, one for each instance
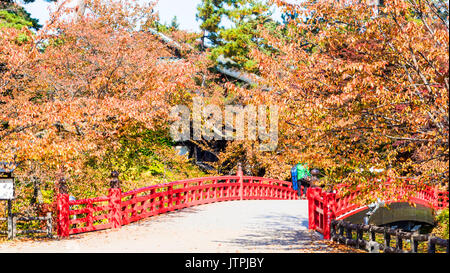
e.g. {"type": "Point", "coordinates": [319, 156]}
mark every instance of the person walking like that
{"type": "Point", "coordinates": [303, 176]}
{"type": "Point", "coordinates": [300, 178]}
{"type": "Point", "coordinates": [294, 179]}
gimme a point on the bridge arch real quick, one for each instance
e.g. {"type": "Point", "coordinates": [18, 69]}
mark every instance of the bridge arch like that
{"type": "Point", "coordinates": [392, 213]}
{"type": "Point", "coordinates": [121, 208]}
{"type": "Point", "coordinates": [324, 207]}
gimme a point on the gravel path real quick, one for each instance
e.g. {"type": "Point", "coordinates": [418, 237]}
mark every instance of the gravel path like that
{"type": "Point", "coordinates": [230, 227]}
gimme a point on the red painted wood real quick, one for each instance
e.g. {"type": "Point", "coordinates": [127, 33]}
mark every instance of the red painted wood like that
{"type": "Point", "coordinates": [323, 207]}
{"type": "Point", "coordinates": [89, 229]}
{"type": "Point", "coordinates": [63, 225]}
{"type": "Point", "coordinates": [115, 213]}
{"type": "Point", "coordinates": [128, 207]}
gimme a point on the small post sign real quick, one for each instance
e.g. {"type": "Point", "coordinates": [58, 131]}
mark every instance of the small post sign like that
{"type": "Point", "coordinates": [6, 188]}
{"type": "Point", "coordinates": [6, 181]}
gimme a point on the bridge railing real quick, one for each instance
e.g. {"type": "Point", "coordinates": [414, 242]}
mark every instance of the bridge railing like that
{"type": "Point", "coordinates": [142, 203]}
{"type": "Point", "coordinates": [78, 216]}
{"type": "Point", "coordinates": [325, 206]}
{"type": "Point", "coordinates": [121, 208]}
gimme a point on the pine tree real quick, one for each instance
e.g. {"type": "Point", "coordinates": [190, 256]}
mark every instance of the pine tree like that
{"type": "Point", "coordinates": [13, 15]}
{"type": "Point", "coordinates": [174, 25]}
{"type": "Point", "coordinates": [231, 28]}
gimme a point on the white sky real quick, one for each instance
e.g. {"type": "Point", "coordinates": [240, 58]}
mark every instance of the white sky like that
{"type": "Point", "coordinates": [185, 10]}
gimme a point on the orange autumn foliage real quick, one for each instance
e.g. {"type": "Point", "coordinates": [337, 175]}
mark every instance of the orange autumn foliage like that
{"type": "Point", "coordinates": [360, 88]}
{"type": "Point", "coordinates": [80, 81]}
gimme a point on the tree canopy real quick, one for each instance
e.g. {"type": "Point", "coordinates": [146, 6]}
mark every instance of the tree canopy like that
{"type": "Point", "coordinates": [72, 94]}
{"type": "Point", "coordinates": [363, 92]}
{"type": "Point", "coordinates": [362, 89]}
{"type": "Point", "coordinates": [230, 27]}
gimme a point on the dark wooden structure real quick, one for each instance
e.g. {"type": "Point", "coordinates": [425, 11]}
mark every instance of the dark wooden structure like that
{"type": "Point", "coordinates": [6, 172]}
{"type": "Point", "coordinates": [12, 220]}
{"type": "Point", "coordinates": [343, 232]}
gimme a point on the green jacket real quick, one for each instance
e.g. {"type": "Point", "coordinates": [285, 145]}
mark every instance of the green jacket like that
{"type": "Point", "coordinates": [302, 170]}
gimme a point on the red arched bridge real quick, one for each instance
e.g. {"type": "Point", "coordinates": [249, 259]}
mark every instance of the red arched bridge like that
{"type": "Point", "coordinates": [121, 208]}
{"type": "Point", "coordinates": [324, 206]}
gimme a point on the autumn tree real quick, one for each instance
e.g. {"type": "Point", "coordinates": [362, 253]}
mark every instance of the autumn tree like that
{"type": "Point", "coordinates": [362, 90]}
{"type": "Point", "coordinates": [83, 84]}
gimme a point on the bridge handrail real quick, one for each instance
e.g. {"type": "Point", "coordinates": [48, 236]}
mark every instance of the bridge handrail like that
{"type": "Point", "coordinates": [121, 208]}
{"type": "Point", "coordinates": [270, 180]}
{"type": "Point", "coordinates": [326, 206]}
{"type": "Point", "coordinates": [427, 196]}
{"type": "Point", "coordinates": [179, 182]}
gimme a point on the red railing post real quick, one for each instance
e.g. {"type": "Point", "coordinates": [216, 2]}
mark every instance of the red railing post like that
{"type": "Point", "coordinates": [115, 205]}
{"type": "Point", "coordinates": [187, 194]}
{"type": "Point", "coordinates": [313, 201]}
{"type": "Point", "coordinates": [313, 194]}
{"type": "Point", "coordinates": [170, 197]}
{"type": "Point", "coordinates": [329, 208]}
{"type": "Point", "coordinates": [325, 219]}
{"type": "Point", "coordinates": [115, 201]}
{"type": "Point", "coordinates": [309, 196]}
{"type": "Point", "coordinates": [62, 201]}
{"type": "Point", "coordinates": [241, 181]}
{"type": "Point", "coordinates": [90, 214]}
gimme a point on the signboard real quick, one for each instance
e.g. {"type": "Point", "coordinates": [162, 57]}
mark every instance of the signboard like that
{"type": "Point", "coordinates": [6, 188]}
